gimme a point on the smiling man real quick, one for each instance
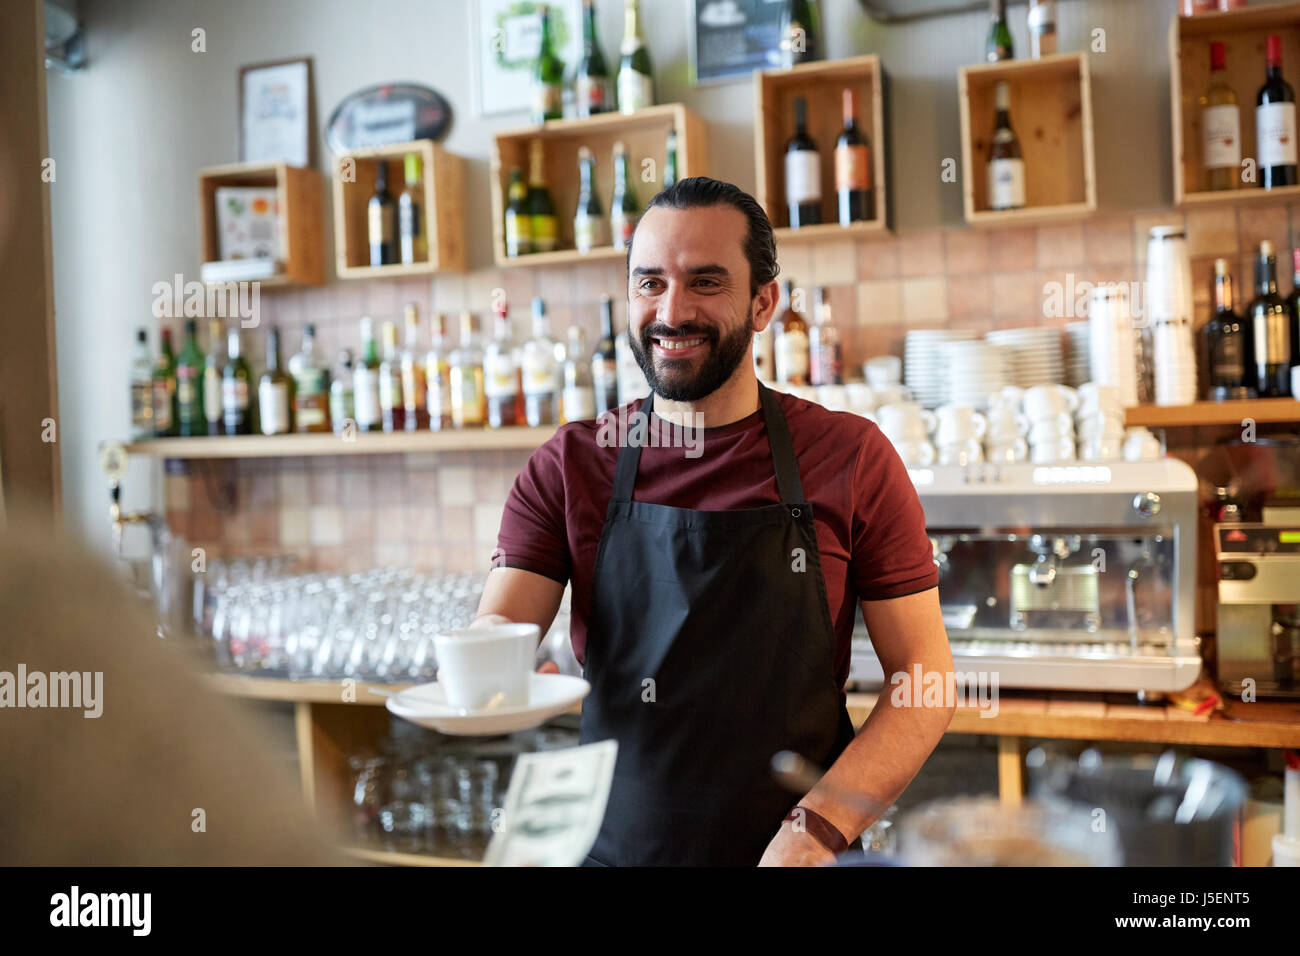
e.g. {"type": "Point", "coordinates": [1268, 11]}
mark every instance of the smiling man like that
{"type": "Point", "coordinates": [714, 596]}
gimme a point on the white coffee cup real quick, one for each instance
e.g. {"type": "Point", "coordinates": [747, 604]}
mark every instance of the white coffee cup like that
{"type": "Point", "coordinates": [960, 453]}
{"type": "Point", "coordinates": [1062, 449]}
{"type": "Point", "coordinates": [1100, 427]}
{"type": "Point", "coordinates": [833, 397]}
{"type": "Point", "coordinates": [861, 397]}
{"type": "Point", "coordinates": [958, 423]}
{"type": "Point", "coordinates": [1102, 449]}
{"type": "Point", "coordinates": [1051, 429]}
{"type": "Point", "coordinates": [486, 668]}
{"type": "Point", "coordinates": [905, 420]}
{"type": "Point", "coordinates": [894, 394]}
{"type": "Point", "coordinates": [883, 371]}
{"type": "Point", "coordinates": [1099, 396]}
{"type": "Point", "coordinates": [1006, 422]}
{"type": "Point", "coordinates": [1011, 451]}
{"type": "Point", "coordinates": [1042, 401]}
{"type": "Point", "coordinates": [1140, 444]}
{"type": "Point", "coordinates": [915, 454]}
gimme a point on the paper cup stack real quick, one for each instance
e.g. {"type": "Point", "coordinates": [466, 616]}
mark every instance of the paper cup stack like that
{"type": "Point", "coordinates": [1169, 314]}
{"type": "Point", "coordinates": [1113, 345]}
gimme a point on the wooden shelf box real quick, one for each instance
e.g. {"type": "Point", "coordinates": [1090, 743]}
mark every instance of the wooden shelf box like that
{"type": "Point", "coordinates": [822, 86]}
{"type": "Point", "coordinates": [645, 133]}
{"type": "Point", "coordinates": [444, 208]}
{"type": "Point", "coordinates": [1051, 112]}
{"type": "Point", "coordinates": [1244, 34]}
{"type": "Point", "coordinates": [299, 196]}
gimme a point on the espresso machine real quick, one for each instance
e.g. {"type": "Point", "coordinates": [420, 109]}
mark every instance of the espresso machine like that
{"type": "Point", "coordinates": [1078, 576]}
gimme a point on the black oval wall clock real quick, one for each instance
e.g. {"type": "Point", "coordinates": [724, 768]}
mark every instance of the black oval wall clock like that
{"type": "Point", "coordinates": [388, 113]}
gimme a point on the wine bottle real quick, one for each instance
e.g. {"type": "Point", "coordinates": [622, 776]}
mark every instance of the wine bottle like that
{"type": "Point", "coordinates": [1293, 308]}
{"type": "Point", "coordinates": [636, 88]}
{"type": "Point", "coordinates": [437, 371]}
{"type": "Point", "coordinates": [274, 392]}
{"type": "Point", "coordinates": [236, 379]}
{"type": "Point", "coordinates": [1224, 344]}
{"type": "Point", "coordinates": [998, 46]}
{"type": "Point", "coordinates": [801, 32]}
{"type": "Point", "coordinates": [212, 367]}
{"type": "Point", "coordinates": [410, 213]}
{"type": "Point", "coordinates": [1270, 330]}
{"type": "Point", "coordinates": [590, 227]}
{"type": "Point", "coordinates": [825, 350]}
{"type": "Point", "coordinates": [519, 224]}
{"type": "Point", "coordinates": [141, 389]}
{"type": "Point", "coordinates": [803, 172]}
{"type": "Point", "coordinates": [579, 390]}
{"type": "Point", "coordinates": [189, 385]}
{"type": "Point", "coordinates": [342, 406]}
{"type": "Point", "coordinates": [365, 381]}
{"type": "Point", "coordinates": [591, 89]}
{"type": "Point", "coordinates": [853, 166]}
{"type": "Point", "coordinates": [541, 207]}
{"type": "Point", "coordinates": [540, 401]}
{"type": "Point", "coordinates": [790, 342]}
{"type": "Point", "coordinates": [604, 362]}
{"type": "Point", "coordinates": [311, 386]}
{"type": "Point", "coordinates": [1041, 21]}
{"type": "Point", "coordinates": [1275, 124]}
{"type": "Point", "coordinates": [670, 159]}
{"type": "Point", "coordinates": [624, 210]}
{"type": "Point", "coordinates": [164, 389]}
{"type": "Point", "coordinates": [381, 219]}
{"type": "Point", "coordinates": [1006, 170]}
{"type": "Point", "coordinates": [468, 405]}
{"type": "Point", "coordinates": [1220, 125]}
{"type": "Point", "coordinates": [500, 377]}
{"type": "Point", "coordinates": [548, 76]}
{"type": "Point", "coordinates": [414, 382]}
{"type": "Point", "coordinates": [392, 405]}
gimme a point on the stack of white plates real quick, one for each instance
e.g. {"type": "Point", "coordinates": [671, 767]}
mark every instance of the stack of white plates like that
{"type": "Point", "coordinates": [1114, 343]}
{"type": "Point", "coordinates": [1036, 355]}
{"type": "Point", "coordinates": [925, 368]}
{"type": "Point", "coordinates": [1077, 350]}
{"type": "Point", "coordinates": [978, 369]}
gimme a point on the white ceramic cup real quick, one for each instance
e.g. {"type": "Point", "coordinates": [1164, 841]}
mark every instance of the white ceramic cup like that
{"type": "Point", "coordinates": [1099, 396]}
{"type": "Point", "coordinates": [1062, 449]}
{"type": "Point", "coordinates": [960, 453]}
{"type": "Point", "coordinates": [486, 668]}
{"type": "Point", "coordinates": [894, 394]}
{"type": "Point", "coordinates": [1015, 450]}
{"type": "Point", "coordinates": [1050, 429]}
{"type": "Point", "coordinates": [915, 454]}
{"type": "Point", "coordinates": [1042, 401]}
{"type": "Point", "coordinates": [1102, 449]}
{"type": "Point", "coordinates": [959, 423]}
{"type": "Point", "coordinates": [833, 397]}
{"type": "Point", "coordinates": [883, 371]}
{"type": "Point", "coordinates": [1100, 427]}
{"type": "Point", "coordinates": [905, 420]}
{"type": "Point", "coordinates": [861, 397]}
{"type": "Point", "coordinates": [1005, 422]}
{"type": "Point", "coordinates": [1140, 444]}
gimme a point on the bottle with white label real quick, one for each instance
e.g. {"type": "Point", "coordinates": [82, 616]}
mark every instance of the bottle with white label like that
{"type": "Point", "coordinates": [274, 391]}
{"type": "Point", "coordinates": [1006, 184]}
{"type": "Point", "coordinates": [636, 88]}
{"type": "Point", "coordinates": [540, 400]}
{"type": "Point", "coordinates": [579, 392]}
{"type": "Point", "coordinates": [790, 333]}
{"type": "Point", "coordinates": [1275, 124]}
{"type": "Point", "coordinates": [1220, 126]}
{"type": "Point", "coordinates": [803, 172]}
{"type": "Point", "coordinates": [764, 355]}
{"type": "Point", "coordinates": [365, 382]}
{"type": "Point", "coordinates": [632, 383]}
{"type": "Point", "coordinates": [500, 377]}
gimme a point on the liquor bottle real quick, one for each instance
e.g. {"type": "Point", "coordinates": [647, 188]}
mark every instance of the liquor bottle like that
{"type": "Point", "coordinates": [790, 342]}
{"type": "Point", "coordinates": [342, 407]}
{"type": "Point", "coordinates": [590, 227]}
{"type": "Point", "coordinates": [636, 88]}
{"type": "Point", "coordinates": [519, 224]}
{"type": "Point", "coordinates": [1269, 368]}
{"type": "Point", "coordinates": [541, 207]}
{"type": "Point", "coordinates": [365, 381]}
{"type": "Point", "coordinates": [1006, 170]}
{"type": "Point", "coordinates": [591, 89]}
{"type": "Point", "coordinates": [998, 46]}
{"type": "Point", "coordinates": [800, 33]}
{"type": "Point", "coordinates": [410, 213]}
{"type": "Point", "coordinates": [236, 381]}
{"type": "Point", "coordinates": [189, 385]}
{"type": "Point", "coordinates": [624, 209]}
{"type": "Point", "coordinates": [803, 172]}
{"type": "Point", "coordinates": [604, 361]}
{"type": "Point", "coordinates": [1224, 344]}
{"type": "Point", "coordinates": [1275, 124]}
{"type": "Point", "coordinates": [548, 76]}
{"type": "Point", "coordinates": [825, 351]}
{"type": "Point", "coordinates": [1220, 125]}
{"type": "Point", "coordinates": [632, 382]}
{"type": "Point", "coordinates": [381, 220]}
{"type": "Point", "coordinates": [212, 368]}
{"type": "Point", "coordinates": [392, 406]}
{"type": "Point", "coordinates": [540, 400]}
{"type": "Point", "coordinates": [141, 389]}
{"type": "Point", "coordinates": [468, 406]}
{"type": "Point", "coordinates": [415, 400]}
{"type": "Point", "coordinates": [1041, 21]}
{"type": "Point", "coordinates": [437, 373]}
{"type": "Point", "coordinates": [274, 391]}
{"type": "Point", "coordinates": [1293, 307]}
{"type": "Point", "coordinates": [311, 386]}
{"type": "Point", "coordinates": [765, 355]}
{"type": "Point", "coordinates": [670, 158]}
{"type": "Point", "coordinates": [579, 391]}
{"type": "Point", "coordinates": [500, 376]}
{"type": "Point", "coordinates": [853, 166]}
{"type": "Point", "coordinates": [164, 389]}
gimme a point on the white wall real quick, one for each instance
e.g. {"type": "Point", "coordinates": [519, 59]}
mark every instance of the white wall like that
{"type": "Point", "coordinates": [129, 132]}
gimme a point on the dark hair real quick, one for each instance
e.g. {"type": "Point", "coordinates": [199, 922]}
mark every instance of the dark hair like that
{"type": "Point", "coordinates": [759, 245]}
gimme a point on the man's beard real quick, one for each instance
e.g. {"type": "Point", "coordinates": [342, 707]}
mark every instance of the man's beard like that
{"type": "Point", "coordinates": [676, 383]}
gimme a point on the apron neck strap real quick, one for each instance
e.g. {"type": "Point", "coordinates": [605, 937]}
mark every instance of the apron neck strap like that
{"type": "Point", "coordinates": [784, 463]}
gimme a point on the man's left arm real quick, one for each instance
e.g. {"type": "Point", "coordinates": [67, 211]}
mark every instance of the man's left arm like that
{"type": "Point", "coordinates": [892, 744]}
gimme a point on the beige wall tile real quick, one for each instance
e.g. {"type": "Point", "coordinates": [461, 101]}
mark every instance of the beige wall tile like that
{"type": "Point", "coordinates": [880, 302]}
{"type": "Point", "coordinates": [457, 525]}
{"type": "Point", "coordinates": [878, 259]}
{"type": "Point", "coordinates": [384, 301]}
{"type": "Point", "coordinates": [921, 254]}
{"type": "Point", "coordinates": [1060, 245]}
{"type": "Point", "coordinates": [390, 523]}
{"type": "Point", "coordinates": [358, 525]}
{"type": "Point", "coordinates": [1257, 223]}
{"type": "Point", "coordinates": [1211, 232]}
{"type": "Point", "coordinates": [970, 296]}
{"type": "Point", "coordinates": [176, 492]}
{"type": "Point", "coordinates": [327, 525]}
{"type": "Point", "coordinates": [966, 251]}
{"type": "Point", "coordinates": [796, 262]}
{"type": "Point", "coordinates": [450, 295]}
{"type": "Point", "coordinates": [1109, 241]}
{"type": "Point", "coordinates": [487, 522]}
{"type": "Point", "coordinates": [1017, 295]}
{"type": "Point", "coordinates": [925, 300]}
{"type": "Point", "coordinates": [1012, 250]}
{"type": "Point", "coordinates": [391, 554]}
{"type": "Point", "coordinates": [835, 262]}
{"type": "Point", "coordinates": [295, 526]}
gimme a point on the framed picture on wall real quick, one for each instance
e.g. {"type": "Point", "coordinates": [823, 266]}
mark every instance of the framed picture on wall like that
{"type": "Point", "coordinates": [276, 115]}
{"type": "Point", "coordinates": [730, 39]}
{"type": "Point", "coordinates": [505, 36]}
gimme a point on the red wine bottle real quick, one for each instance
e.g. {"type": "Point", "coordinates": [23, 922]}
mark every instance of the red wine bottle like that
{"type": "Point", "coordinates": [803, 172]}
{"type": "Point", "coordinates": [852, 166]}
{"type": "Point", "coordinates": [1275, 130]}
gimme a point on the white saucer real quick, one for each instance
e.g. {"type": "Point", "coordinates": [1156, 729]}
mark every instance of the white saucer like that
{"type": "Point", "coordinates": [548, 696]}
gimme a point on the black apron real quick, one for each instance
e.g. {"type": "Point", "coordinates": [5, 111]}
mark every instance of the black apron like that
{"type": "Point", "coordinates": [709, 648]}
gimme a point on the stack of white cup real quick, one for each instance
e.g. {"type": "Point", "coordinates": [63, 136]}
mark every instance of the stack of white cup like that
{"type": "Point", "coordinates": [1114, 343]}
{"type": "Point", "coordinates": [907, 426]}
{"type": "Point", "coordinates": [1050, 411]}
{"type": "Point", "coordinates": [1169, 313]}
{"type": "Point", "coordinates": [884, 373]}
{"type": "Point", "coordinates": [959, 435]}
{"type": "Point", "coordinates": [1099, 423]}
{"type": "Point", "coordinates": [1008, 427]}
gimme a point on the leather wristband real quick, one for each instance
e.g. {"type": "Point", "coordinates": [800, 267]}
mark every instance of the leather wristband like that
{"type": "Point", "coordinates": [821, 829]}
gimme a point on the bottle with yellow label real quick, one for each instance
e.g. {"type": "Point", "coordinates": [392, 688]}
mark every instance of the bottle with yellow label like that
{"type": "Point", "coordinates": [541, 207]}
{"type": "Point", "coordinates": [414, 375]}
{"type": "Point", "coordinates": [437, 374]}
{"type": "Point", "coordinates": [468, 403]}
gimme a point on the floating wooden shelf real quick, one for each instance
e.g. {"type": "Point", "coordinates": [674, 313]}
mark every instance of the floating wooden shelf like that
{"type": "Point", "coordinates": [645, 133]}
{"type": "Point", "coordinates": [1244, 33]}
{"type": "Point", "coordinates": [821, 85]}
{"type": "Point", "coordinates": [300, 200]}
{"type": "Point", "coordinates": [1262, 410]}
{"type": "Point", "coordinates": [443, 213]}
{"type": "Point", "coordinates": [367, 443]}
{"type": "Point", "coordinates": [1051, 112]}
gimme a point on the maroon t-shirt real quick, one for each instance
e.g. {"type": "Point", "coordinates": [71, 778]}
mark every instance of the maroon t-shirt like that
{"type": "Point", "coordinates": [870, 527]}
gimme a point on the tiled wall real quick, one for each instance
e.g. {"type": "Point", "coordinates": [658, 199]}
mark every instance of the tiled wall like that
{"type": "Point", "coordinates": [442, 510]}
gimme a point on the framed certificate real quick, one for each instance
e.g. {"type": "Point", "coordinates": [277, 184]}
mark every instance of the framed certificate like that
{"type": "Point", "coordinates": [276, 114]}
